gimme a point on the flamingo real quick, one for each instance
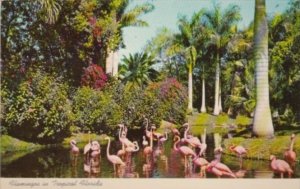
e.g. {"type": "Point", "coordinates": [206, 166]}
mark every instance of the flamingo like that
{"type": "Point", "coordinates": [193, 141]}
{"type": "Point", "coordinates": [115, 160]}
{"type": "Point", "coordinates": [219, 169]}
{"type": "Point", "coordinates": [202, 163]}
{"type": "Point", "coordinates": [239, 151]}
{"type": "Point", "coordinates": [149, 149]}
{"type": "Point", "coordinates": [290, 154]}
{"type": "Point", "coordinates": [184, 150]}
{"type": "Point", "coordinates": [148, 133]}
{"type": "Point", "coordinates": [164, 138]}
{"type": "Point", "coordinates": [218, 153]}
{"type": "Point", "coordinates": [145, 142]}
{"type": "Point", "coordinates": [88, 146]}
{"type": "Point", "coordinates": [280, 166]}
{"type": "Point", "coordinates": [157, 135]}
{"type": "Point", "coordinates": [74, 148]}
{"type": "Point", "coordinates": [175, 131]}
{"type": "Point", "coordinates": [95, 149]}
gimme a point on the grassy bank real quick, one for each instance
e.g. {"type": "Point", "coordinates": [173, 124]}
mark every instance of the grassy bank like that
{"type": "Point", "coordinates": [10, 144]}
{"type": "Point", "coordinates": [217, 124]}
{"type": "Point", "coordinates": [262, 148]}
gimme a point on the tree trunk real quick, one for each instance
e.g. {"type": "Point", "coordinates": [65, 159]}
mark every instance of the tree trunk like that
{"type": "Point", "coordinates": [115, 64]}
{"type": "Point", "coordinates": [217, 88]}
{"type": "Point", "coordinates": [203, 106]}
{"type": "Point", "coordinates": [220, 98]}
{"type": "Point", "coordinates": [190, 88]}
{"type": "Point", "coordinates": [109, 62]}
{"type": "Point", "coordinates": [262, 123]}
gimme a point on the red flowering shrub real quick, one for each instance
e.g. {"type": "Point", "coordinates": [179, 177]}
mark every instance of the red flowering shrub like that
{"type": "Point", "coordinates": [94, 77]}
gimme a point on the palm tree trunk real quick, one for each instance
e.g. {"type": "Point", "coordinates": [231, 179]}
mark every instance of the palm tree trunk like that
{"type": "Point", "coordinates": [220, 99]}
{"type": "Point", "coordinates": [262, 124]}
{"type": "Point", "coordinates": [190, 88]}
{"type": "Point", "coordinates": [109, 62]}
{"type": "Point", "coordinates": [115, 64]}
{"type": "Point", "coordinates": [217, 87]}
{"type": "Point", "coordinates": [203, 107]}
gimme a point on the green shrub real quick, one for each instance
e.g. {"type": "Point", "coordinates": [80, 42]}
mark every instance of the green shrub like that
{"type": "Point", "coordinates": [96, 110]}
{"type": "Point", "coordinates": [38, 109]}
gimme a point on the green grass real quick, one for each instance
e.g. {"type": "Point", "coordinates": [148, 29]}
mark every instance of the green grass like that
{"type": "Point", "coordinates": [199, 123]}
{"type": "Point", "coordinates": [222, 119]}
{"type": "Point", "coordinates": [259, 148]}
{"type": "Point", "coordinates": [10, 144]}
{"type": "Point", "coordinates": [243, 120]}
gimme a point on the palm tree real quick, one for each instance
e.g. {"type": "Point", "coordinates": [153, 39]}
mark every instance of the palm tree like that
{"type": "Point", "coordinates": [50, 10]}
{"type": "Point", "coordinates": [188, 40]}
{"type": "Point", "coordinates": [137, 69]}
{"type": "Point", "coordinates": [262, 123]}
{"type": "Point", "coordinates": [191, 55]}
{"type": "Point", "coordinates": [220, 23]}
{"type": "Point", "coordinates": [125, 19]}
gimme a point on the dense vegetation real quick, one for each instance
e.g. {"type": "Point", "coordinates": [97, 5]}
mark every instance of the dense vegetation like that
{"type": "Point", "coordinates": [54, 68]}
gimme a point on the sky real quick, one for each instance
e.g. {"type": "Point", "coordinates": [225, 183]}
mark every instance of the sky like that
{"type": "Point", "coordinates": [166, 14]}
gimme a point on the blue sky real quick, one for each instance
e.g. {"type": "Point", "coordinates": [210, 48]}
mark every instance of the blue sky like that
{"type": "Point", "coordinates": [166, 14]}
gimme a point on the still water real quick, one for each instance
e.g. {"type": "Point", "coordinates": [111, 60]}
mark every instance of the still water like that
{"type": "Point", "coordinates": [58, 162]}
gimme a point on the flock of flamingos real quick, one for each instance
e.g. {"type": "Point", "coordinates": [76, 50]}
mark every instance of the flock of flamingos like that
{"type": "Point", "coordinates": [189, 147]}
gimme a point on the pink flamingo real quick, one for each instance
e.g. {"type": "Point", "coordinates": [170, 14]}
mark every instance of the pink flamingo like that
{"type": "Point", "coordinates": [220, 169]}
{"type": "Point", "coordinates": [148, 133]}
{"type": "Point", "coordinates": [184, 150]}
{"type": "Point", "coordinates": [145, 142]}
{"type": "Point", "coordinates": [87, 147]}
{"type": "Point", "coordinates": [239, 151]}
{"type": "Point", "coordinates": [95, 149]}
{"type": "Point", "coordinates": [74, 148]}
{"type": "Point", "coordinates": [218, 153]}
{"type": "Point", "coordinates": [164, 138]}
{"type": "Point", "coordinates": [290, 154]}
{"type": "Point", "coordinates": [175, 131]}
{"type": "Point", "coordinates": [193, 141]}
{"type": "Point", "coordinates": [115, 160]}
{"type": "Point", "coordinates": [125, 140]}
{"type": "Point", "coordinates": [149, 149]}
{"type": "Point", "coordinates": [156, 135]}
{"type": "Point", "coordinates": [202, 163]}
{"type": "Point", "coordinates": [280, 166]}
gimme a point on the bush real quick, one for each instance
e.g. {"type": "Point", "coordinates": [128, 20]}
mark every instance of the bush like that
{"type": "Point", "coordinates": [39, 110]}
{"type": "Point", "coordinates": [95, 110]}
{"type": "Point", "coordinates": [94, 77]}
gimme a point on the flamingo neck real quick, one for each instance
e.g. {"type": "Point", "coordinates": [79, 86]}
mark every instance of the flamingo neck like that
{"type": "Point", "coordinates": [107, 149]}
{"type": "Point", "coordinates": [186, 131]}
{"type": "Point", "coordinates": [175, 144]}
{"type": "Point", "coordinates": [151, 138]}
{"type": "Point", "coordinates": [292, 144]}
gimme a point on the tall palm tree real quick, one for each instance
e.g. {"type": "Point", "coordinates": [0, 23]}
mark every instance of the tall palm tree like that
{"type": "Point", "coordinates": [137, 69]}
{"type": "Point", "coordinates": [189, 39]}
{"type": "Point", "coordinates": [125, 19]}
{"type": "Point", "coordinates": [220, 24]}
{"type": "Point", "coordinates": [191, 55]}
{"type": "Point", "coordinates": [262, 123]}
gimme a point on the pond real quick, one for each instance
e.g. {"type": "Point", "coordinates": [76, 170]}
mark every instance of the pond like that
{"type": "Point", "coordinates": [58, 162]}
